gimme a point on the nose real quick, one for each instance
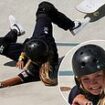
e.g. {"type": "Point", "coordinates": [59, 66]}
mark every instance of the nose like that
{"type": "Point", "coordinates": [93, 81]}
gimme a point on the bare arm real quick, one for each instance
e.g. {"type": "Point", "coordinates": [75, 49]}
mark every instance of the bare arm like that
{"type": "Point", "coordinates": [17, 79]}
{"type": "Point", "coordinates": [10, 82]}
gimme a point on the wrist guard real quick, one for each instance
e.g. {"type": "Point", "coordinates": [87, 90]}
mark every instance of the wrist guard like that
{"type": "Point", "coordinates": [22, 57]}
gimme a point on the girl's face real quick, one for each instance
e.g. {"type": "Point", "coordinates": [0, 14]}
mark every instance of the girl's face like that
{"type": "Point", "coordinates": [94, 82]}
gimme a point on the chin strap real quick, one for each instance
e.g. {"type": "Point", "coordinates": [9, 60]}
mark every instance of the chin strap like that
{"type": "Point", "coordinates": [80, 85]}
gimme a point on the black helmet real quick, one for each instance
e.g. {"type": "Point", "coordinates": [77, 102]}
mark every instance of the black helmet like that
{"type": "Point", "coordinates": [36, 50]}
{"type": "Point", "coordinates": [88, 59]}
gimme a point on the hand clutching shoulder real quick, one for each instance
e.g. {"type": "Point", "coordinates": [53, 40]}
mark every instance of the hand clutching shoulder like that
{"type": "Point", "coordinates": [81, 100]}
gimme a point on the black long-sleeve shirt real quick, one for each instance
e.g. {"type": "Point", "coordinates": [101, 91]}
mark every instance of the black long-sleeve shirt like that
{"type": "Point", "coordinates": [76, 91]}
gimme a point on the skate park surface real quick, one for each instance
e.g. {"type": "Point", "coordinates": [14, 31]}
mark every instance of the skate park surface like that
{"type": "Point", "coordinates": [35, 92]}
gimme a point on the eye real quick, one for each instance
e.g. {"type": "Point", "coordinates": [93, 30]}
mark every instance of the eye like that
{"type": "Point", "coordinates": [85, 80]}
{"type": "Point", "coordinates": [81, 53]}
{"type": "Point", "coordinates": [98, 75]}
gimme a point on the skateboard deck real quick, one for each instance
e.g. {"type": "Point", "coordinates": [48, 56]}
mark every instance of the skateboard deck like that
{"type": "Point", "coordinates": [90, 6]}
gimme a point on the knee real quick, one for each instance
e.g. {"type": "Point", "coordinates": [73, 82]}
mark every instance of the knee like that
{"type": "Point", "coordinates": [46, 5]}
{"type": "Point", "coordinates": [46, 8]}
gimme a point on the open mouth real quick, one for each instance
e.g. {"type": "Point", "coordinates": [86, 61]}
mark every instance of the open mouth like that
{"type": "Point", "coordinates": [96, 90]}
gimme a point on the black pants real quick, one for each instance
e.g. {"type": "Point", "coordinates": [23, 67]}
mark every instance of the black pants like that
{"type": "Point", "coordinates": [11, 49]}
{"type": "Point", "coordinates": [45, 16]}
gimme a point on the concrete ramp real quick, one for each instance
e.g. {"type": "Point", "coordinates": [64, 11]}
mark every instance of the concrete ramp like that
{"type": "Point", "coordinates": [36, 93]}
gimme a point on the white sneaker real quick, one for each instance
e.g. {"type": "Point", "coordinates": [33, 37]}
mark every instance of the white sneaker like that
{"type": "Point", "coordinates": [15, 25]}
{"type": "Point", "coordinates": [79, 24]}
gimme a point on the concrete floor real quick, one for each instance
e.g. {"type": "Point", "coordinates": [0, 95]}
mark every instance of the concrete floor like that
{"type": "Point", "coordinates": [36, 92]}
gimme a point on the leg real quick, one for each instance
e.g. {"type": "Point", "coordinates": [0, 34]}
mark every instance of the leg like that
{"type": "Point", "coordinates": [16, 30]}
{"type": "Point", "coordinates": [11, 37]}
{"type": "Point", "coordinates": [43, 31]}
{"type": "Point", "coordinates": [56, 17]}
{"type": "Point", "coordinates": [60, 19]}
{"type": "Point", "coordinates": [13, 51]}
{"type": "Point", "coordinates": [8, 46]}
{"type": "Point", "coordinates": [43, 27]}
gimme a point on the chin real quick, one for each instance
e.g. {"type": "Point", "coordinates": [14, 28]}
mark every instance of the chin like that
{"type": "Point", "coordinates": [96, 93]}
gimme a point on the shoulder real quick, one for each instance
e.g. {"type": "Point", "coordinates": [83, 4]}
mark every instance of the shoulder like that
{"type": "Point", "coordinates": [73, 93]}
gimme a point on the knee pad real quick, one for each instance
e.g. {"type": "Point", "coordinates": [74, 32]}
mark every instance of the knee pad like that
{"type": "Point", "coordinates": [46, 8]}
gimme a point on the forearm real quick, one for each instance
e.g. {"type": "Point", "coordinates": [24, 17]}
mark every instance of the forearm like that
{"type": "Point", "coordinates": [11, 82]}
{"type": "Point", "coordinates": [32, 74]}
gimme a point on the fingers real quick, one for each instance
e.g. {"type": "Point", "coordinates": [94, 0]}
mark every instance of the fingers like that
{"type": "Point", "coordinates": [75, 104]}
{"type": "Point", "coordinates": [81, 100]}
{"type": "Point", "coordinates": [20, 64]}
{"type": "Point", "coordinates": [89, 103]}
{"type": "Point", "coordinates": [84, 103]}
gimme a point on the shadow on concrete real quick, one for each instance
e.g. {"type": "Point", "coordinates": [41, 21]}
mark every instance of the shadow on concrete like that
{"type": "Point", "coordinates": [13, 63]}
{"type": "Point", "coordinates": [10, 63]}
{"type": "Point", "coordinates": [100, 13]}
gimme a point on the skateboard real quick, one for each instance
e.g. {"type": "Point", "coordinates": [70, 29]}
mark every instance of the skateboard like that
{"type": "Point", "coordinates": [90, 6]}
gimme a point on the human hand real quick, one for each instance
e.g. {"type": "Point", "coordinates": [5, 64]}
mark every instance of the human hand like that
{"type": "Point", "coordinates": [81, 100]}
{"type": "Point", "coordinates": [20, 64]}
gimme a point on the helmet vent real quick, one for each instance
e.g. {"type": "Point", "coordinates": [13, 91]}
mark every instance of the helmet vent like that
{"type": "Point", "coordinates": [95, 60]}
{"type": "Point", "coordinates": [81, 53]}
{"type": "Point", "coordinates": [83, 64]}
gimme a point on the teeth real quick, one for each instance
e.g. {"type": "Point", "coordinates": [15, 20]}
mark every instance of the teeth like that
{"type": "Point", "coordinates": [95, 88]}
